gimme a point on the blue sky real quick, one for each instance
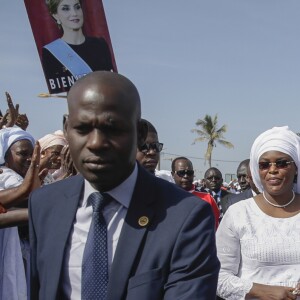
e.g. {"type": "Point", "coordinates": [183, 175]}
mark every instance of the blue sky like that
{"type": "Point", "coordinates": [235, 58]}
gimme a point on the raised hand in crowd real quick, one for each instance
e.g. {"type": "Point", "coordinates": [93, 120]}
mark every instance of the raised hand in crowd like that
{"type": "Point", "coordinates": [67, 166]}
{"type": "Point", "coordinates": [12, 112]}
{"type": "Point", "coordinates": [22, 121]}
{"type": "Point", "coordinates": [12, 116]}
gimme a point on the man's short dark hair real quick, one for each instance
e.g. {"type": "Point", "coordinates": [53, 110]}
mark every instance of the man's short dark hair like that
{"type": "Point", "coordinates": [176, 159]}
{"type": "Point", "coordinates": [151, 128]}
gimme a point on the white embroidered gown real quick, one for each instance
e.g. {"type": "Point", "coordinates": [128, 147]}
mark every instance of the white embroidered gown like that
{"type": "Point", "coordinates": [255, 247]}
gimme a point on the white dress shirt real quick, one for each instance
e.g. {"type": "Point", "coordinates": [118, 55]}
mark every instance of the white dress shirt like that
{"type": "Point", "coordinates": [164, 174]}
{"type": "Point", "coordinates": [114, 214]}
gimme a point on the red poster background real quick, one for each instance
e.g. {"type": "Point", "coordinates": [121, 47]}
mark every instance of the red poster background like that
{"type": "Point", "coordinates": [45, 30]}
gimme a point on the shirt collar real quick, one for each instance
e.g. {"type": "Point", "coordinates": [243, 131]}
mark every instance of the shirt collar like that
{"type": "Point", "coordinates": [218, 193]}
{"type": "Point", "coordinates": [121, 193]}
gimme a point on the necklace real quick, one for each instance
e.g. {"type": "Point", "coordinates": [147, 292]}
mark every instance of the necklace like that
{"type": "Point", "coordinates": [277, 205]}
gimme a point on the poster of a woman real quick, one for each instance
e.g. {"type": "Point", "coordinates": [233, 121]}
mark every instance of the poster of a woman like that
{"type": "Point", "coordinates": [72, 39]}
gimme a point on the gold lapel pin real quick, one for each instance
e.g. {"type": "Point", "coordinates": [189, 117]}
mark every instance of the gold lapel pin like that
{"type": "Point", "coordinates": [143, 221]}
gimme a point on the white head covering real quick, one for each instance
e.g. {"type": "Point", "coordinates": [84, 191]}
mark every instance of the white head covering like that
{"type": "Point", "coordinates": [10, 135]}
{"type": "Point", "coordinates": [276, 139]}
{"type": "Point", "coordinates": [52, 139]}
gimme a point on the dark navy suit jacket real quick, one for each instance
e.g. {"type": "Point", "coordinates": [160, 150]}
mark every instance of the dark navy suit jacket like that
{"type": "Point", "coordinates": [238, 197]}
{"type": "Point", "coordinates": [174, 257]}
{"type": "Point", "coordinates": [234, 198]}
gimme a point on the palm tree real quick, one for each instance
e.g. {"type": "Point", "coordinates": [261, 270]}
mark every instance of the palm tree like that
{"type": "Point", "coordinates": [209, 132]}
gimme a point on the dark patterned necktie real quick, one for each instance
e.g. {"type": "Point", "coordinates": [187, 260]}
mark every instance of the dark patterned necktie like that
{"type": "Point", "coordinates": [218, 201]}
{"type": "Point", "coordinates": [94, 279]}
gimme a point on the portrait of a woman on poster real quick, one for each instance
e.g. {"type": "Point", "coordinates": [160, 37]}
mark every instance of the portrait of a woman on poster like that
{"type": "Point", "coordinates": [73, 55]}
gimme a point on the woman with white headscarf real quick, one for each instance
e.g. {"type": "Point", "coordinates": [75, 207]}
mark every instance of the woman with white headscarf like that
{"type": "Point", "coordinates": [16, 149]}
{"type": "Point", "coordinates": [258, 240]}
{"type": "Point", "coordinates": [51, 148]}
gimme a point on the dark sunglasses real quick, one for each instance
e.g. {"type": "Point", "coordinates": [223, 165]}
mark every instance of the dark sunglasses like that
{"type": "Point", "coordinates": [280, 164]}
{"type": "Point", "coordinates": [154, 146]}
{"type": "Point", "coordinates": [181, 173]}
{"type": "Point", "coordinates": [217, 178]}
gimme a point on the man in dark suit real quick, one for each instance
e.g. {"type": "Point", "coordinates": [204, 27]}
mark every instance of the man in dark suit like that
{"type": "Point", "coordinates": [213, 181]}
{"type": "Point", "coordinates": [241, 174]}
{"type": "Point", "coordinates": [248, 192]}
{"type": "Point", "coordinates": [160, 240]}
{"type": "Point", "coordinates": [238, 197]}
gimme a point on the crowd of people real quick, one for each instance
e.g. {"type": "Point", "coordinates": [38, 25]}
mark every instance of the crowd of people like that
{"type": "Point", "coordinates": [86, 214]}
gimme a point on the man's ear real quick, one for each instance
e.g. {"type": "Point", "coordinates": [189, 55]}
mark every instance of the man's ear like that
{"type": "Point", "coordinates": [65, 125]}
{"type": "Point", "coordinates": [142, 132]}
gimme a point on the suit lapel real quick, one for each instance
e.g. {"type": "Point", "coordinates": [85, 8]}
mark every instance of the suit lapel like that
{"type": "Point", "coordinates": [223, 193]}
{"type": "Point", "coordinates": [224, 200]}
{"type": "Point", "coordinates": [250, 193]}
{"type": "Point", "coordinates": [132, 235]}
{"type": "Point", "coordinates": [65, 213]}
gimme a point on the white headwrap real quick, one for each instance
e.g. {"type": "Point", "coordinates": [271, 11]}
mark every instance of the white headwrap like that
{"type": "Point", "coordinates": [10, 135]}
{"type": "Point", "coordinates": [276, 139]}
{"type": "Point", "coordinates": [52, 139]}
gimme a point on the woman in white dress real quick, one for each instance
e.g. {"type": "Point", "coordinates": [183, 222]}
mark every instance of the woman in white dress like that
{"type": "Point", "coordinates": [258, 240]}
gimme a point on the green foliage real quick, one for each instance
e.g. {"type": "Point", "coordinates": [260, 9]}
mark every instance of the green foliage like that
{"type": "Point", "coordinates": [209, 132]}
